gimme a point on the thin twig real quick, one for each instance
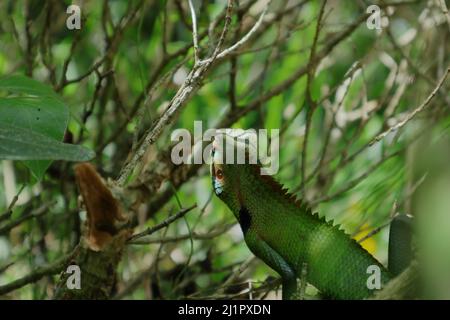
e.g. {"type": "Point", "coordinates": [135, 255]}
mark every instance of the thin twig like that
{"type": "Point", "coordinates": [312, 105]}
{"type": "Point", "coordinates": [35, 213]}
{"type": "Point", "coordinates": [194, 236]}
{"type": "Point", "coordinates": [445, 12]}
{"type": "Point", "coordinates": [226, 26]}
{"type": "Point", "coordinates": [7, 214]}
{"type": "Point", "coordinates": [413, 113]}
{"type": "Point", "coordinates": [374, 231]}
{"type": "Point", "coordinates": [163, 224]}
{"type": "Point", "coordinates": [194, 32]}
{"type": "Point", "coordinates": [238, 273]}
{"type": "Point", "coordinates": [244, 39]}
{"type": "Point", "coordinates": [351, 184]}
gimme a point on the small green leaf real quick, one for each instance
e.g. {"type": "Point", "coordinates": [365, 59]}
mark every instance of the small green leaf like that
{"type": "Point", "coordinates": [23, 144]}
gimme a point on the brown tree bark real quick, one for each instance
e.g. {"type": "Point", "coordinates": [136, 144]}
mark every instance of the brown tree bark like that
{"type": "Point", "coordinates": [100, 249]}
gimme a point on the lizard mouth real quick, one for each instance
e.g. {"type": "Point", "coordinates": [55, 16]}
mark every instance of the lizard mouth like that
{"type": "Point", "coordinates": [212, 170]}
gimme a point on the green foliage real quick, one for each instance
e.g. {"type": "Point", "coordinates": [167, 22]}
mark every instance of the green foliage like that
{"type": "Point", "coordinates": [18, 143]}
{"type": "Point", "coordinates": [115, 77]}
{"type": "Point", "coordinates": [33, 121]}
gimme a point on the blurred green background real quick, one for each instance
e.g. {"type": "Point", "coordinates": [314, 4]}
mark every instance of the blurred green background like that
{"type": "Point", "coordinates": [132, 57]}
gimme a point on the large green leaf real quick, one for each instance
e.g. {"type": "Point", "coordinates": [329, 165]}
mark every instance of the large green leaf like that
{"type": "Point", "coordinates": [34, 107]}
{"type": "Point", "coordinates": [44, 115]}
{"type": "Point", "coordinates": [26, 86]}
{"type": "Point", "coordinates": [22, 144]}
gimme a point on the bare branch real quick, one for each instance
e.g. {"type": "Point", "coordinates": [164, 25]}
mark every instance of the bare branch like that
{"type": "Point", "coordinates": [37, 274]}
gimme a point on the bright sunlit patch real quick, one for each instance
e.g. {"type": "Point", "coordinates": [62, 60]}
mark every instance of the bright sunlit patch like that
{"type": "Point", "coordinates": [369, 244]}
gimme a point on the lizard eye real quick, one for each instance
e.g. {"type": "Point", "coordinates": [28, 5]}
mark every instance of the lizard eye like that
{"type": "Point", "coordinates": [219, 174]}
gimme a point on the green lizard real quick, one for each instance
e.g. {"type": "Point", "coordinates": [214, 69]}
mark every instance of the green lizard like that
{"type": "Point", "coordinates": [285, 234]}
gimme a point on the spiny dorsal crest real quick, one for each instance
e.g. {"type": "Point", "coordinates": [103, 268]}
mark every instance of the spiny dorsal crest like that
{"type": "Point", "coordinates": [292, 198]}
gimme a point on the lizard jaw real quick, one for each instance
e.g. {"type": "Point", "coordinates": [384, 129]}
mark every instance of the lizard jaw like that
{"type": "Point", "coordinates": [217, 185]}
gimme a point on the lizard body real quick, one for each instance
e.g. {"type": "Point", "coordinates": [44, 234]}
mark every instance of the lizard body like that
{"type": "Point", "coordinates": [285, 234]}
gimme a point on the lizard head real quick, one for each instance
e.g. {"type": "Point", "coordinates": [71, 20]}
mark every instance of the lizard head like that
{"type": "Point", "coordinates": [227, 177]}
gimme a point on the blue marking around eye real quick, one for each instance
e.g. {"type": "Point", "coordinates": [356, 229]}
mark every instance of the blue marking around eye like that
{"type": "Point", "coordinates": [218, 188]}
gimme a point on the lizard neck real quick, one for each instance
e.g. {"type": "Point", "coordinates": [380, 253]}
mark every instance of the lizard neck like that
{"type": "Point", "coordinates": [261, 195]}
